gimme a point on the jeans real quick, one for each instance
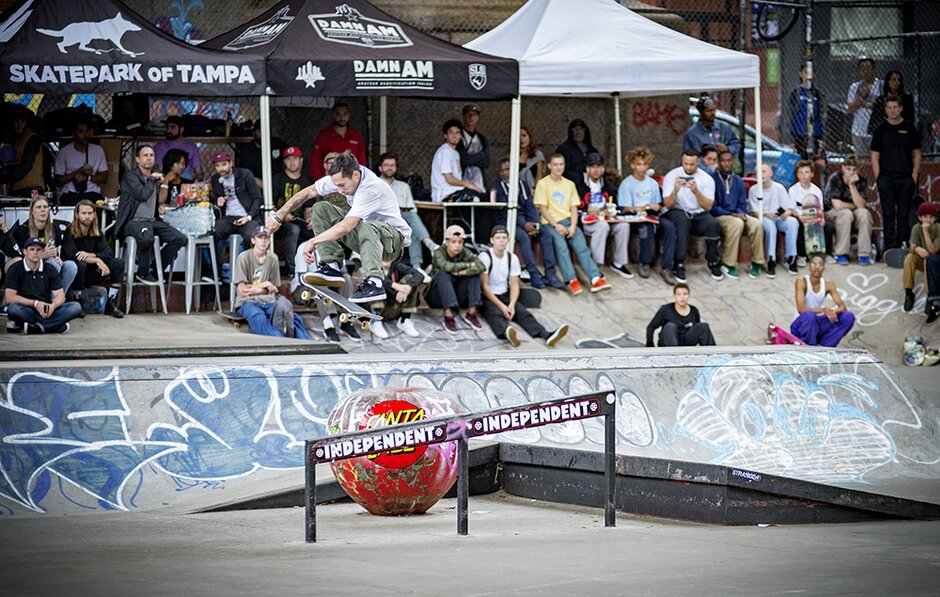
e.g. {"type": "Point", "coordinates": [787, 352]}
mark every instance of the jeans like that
{"type": "Point", "coordinates": [790, 227]}
{"type": "Point", "coordinates": [816, 330]}
{"type": "Point", "coordinates": [700, 224]}
{"type": "Point", "coordinates": [697, 335]}
{"type": "Point", "coordinates": [67, 272]}
{"type": "Point", "coordinates": [448, 291]}
{"type": "Point", "coordinates": [896, 194]}
{"type": "Point", "coordinates": [259, 320]}
{"type": "Point", "coordinates": [524, 242]}
{"type": "Point", "coordinates": [65, 313]}
{"type": "Point", "coordinates": [419, 232]}
{"type": "Point", "coordinates": [667, 233]}
{"type": "Point", "coordinates": [144, 231]}
{"type": "Point", "coordinates": [563, 256]}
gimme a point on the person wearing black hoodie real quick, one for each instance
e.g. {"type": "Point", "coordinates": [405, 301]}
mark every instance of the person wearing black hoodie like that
{"type": "Point", "coordinates": [576, 149]}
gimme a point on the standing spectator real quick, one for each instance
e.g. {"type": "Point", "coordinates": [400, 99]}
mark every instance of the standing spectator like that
{"type": "Point", "coordinates": [895, 162]}
{"type": "Point", "coordinates": [286, 183]}
{"type": "Point", "coordinates": [639, 193]}
{"type": "Point", "coordinates": [175, 140]}
{"type": "Point", "coordinates": [689, 193]}
{"type": "Point", "coordinates": [576, 148]}
{"type": "Point", "coordinates": [708, 131]}
{"type": "Point", "coordinates": [236, 194]}
{"type": "Point", "coordinates": [447, 180]}
{"type": "Point", "coordinates": [894, 85]}
{"type": "Point", "coordinates": [680, 322]}
{"type": "Point", "coordinates": [861, 99]}
{"type": "Point", "coordinates": [27, 175]}
{"type": "Point", "coordinates": [844, 202]}
{"type": "Point", "coordinates": [779, 216]}
{"type": "Point", "coordinates": [925, 241]}
{"type": "Point", "coordinates": [34, 295]}
{"type": "Point", "coordinates": [388, 168]}
{"type": "Point", "coordinates": [455, 281]}
{"type": "Point", "coordinates": [473, 148]}
{"type": "Point", "coordinates": [596, 194]}
{"type": "Point", "coordinates": [88, 248]}
{"type": "Point", "coordinates": [806, 195]}
{"type": "Point", "coordinates": [340, 136]}
{"type": "Point", "coordinates": [80, 167]}
{"type": "Point", "coordinates": [730, 209]}
{"type": "Point", "coordinates": [531, 159]}
{"type": "Point", "coordinates": [248, 155]}
{"type": "Point", "coordinates": [798, 115]}
{"type": "Point", "coordinates": [51, 233]}
{"type": "Point", "coordinates": [816, 324]}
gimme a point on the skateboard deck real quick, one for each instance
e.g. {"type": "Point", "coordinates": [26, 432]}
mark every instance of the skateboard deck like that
{"type": "Point", "coordinates": [624, 340]}
{"type": "Point", "coordinates": [895, 257]}
{"type": "Point", "coordinates": [814, 232]}
{"type": "Point", "coordinates": [236, 319]}
{"type": "Point", "coordinates": [635, 219]}
{"type": "Point", "coordinates": [778, 335]}
{"type": "Point", "coordinates": [348, 311]}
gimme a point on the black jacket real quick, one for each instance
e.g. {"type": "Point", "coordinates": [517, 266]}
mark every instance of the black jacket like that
{"type": "Point", "coordinates": [136, 188]}
{"type": "Point", "coordinates": [245, 189]}
{"type": "Point", "coordinates": [575, 159]}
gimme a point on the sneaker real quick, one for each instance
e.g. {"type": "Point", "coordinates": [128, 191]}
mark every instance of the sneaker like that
{"type": "Point", "coordinates": [513, 336]}
{"type": "Point", "coordinates": [792, 267]}
{"type": "Point", "coordinates": [932, 315]}
{"type": "Point", "coordinates": [525, 276]}
{"type": "Point", "coordinates": [34, 328]}
{"type": "Point", "coordinates": [623, 270]}
{"type": "Point", "coordinates": [324, 275]}
{"type": "Point", "coordinates": [554, 282]}
{"type": "Point", "coordinates": [801, 262]}
{"type": "Point", "coordinates": [668, 277]}
{"type": "Point", "coordinates": [331, 335]}
{"type": "Point", "coordinates": [730, 271]}
{"type": "Point", "coordinates": [864, 260]}
{"type": "Point", "coordinates": [537, 281]}
{"type": "Point", "coordinates": [557, 335]}
{"type": "Point", "coordinates": [679, 273]}
{"type": "Point", "coordinates": [598, 284]}
{"type": "Point", "coordinates": [771, 269]}
{"type": "Point", "coordinates": [830, 259]}
{"type": "Point", "coordinates": [644, 270]}
{"type": "Point", "coordinates": [63, 329]}
{"type": "Point", "coordinates": [473, 320]}
{"type": "Point", "coordinates": [450, 325]}
{"type": "Point", "coordinates": [408, 328]}
{"type": "Point", "coordinates": [378, 330]}
{"type": "Point", "coordinates": [715, 271]}
{"type": "Point", "coordinates": [908, 303]}
{"type": "Point", "coordinates": [350, 330]}
{"type": "Point", "coordinates": [425, 275]}
{"type": "Point", "coordinates": [368, 292]}
{"type": "Point", "coordinates": [148, 279]}
{"type": "Point", "coordinates": [755, 271]}
{"type": "Point", "coordinates": [842, 260]}
{"type": "Point", "coordinates": [111, 309]}
{"type": "Point", "coordinates": [14, 327]}
{"type": "Point", "coordinates": [575, 287]}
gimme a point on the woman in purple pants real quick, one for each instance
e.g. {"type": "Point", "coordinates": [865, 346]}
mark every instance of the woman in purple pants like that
{"type": "Point", "coordinates": [816, 324]}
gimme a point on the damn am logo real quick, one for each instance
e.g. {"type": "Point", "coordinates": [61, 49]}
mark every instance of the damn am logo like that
{"type": "Point", "coordinates": [263, 32]}
{"type": "Point", "coordinates": [348, 26]}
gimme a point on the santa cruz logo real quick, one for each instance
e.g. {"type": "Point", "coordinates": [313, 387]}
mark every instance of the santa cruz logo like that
{"type": "Point", "coordinates": [348, 26]}
{"type": "Point", "coordinates": [263, 32]}
{"type": "Point", "coordinates": [394, 412]}
{"type": "Point", "coordinates": [477, 74]}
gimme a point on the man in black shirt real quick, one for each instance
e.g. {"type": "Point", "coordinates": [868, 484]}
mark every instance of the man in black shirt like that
{"type": "Point", "coordinates": [287, 182]}
{"type": "Point", "coordinates": [86, 246]}
{"type": "Point", "coordinates": [34, 295]}
{"type": "Point", "coordinates": [681, 323]}
{"type": "Point", "coordinates": [248, 155]}
{"type": "Point", "coordinates": [895, 161]}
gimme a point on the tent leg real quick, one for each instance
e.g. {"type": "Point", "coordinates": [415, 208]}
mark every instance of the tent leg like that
{"type": "Point", "coordinates": [383, 124]}
{"type": "Point", "coordinates": [266, 174]}
{"type": "Point", "coordinates": [513, 199]}
{"type": "Point", "coordinates": [759, 155]}
{"type": "Point", "coordinates": [617, 125]}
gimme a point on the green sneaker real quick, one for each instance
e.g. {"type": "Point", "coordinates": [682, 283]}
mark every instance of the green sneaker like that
{"type": "Point", "coordinates": [730, 271]}
{"type": "Point", "coordinates": [755, 271]}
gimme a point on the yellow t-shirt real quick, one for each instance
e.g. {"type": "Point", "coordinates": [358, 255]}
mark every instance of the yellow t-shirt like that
{"type": "Point", "coordinates": [558, 196]}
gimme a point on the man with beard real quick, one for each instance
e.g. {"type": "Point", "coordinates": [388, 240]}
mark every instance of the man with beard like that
{"type": "Point", "coordinates": [236, 194]}
{"type": "Point", "coordinates": [287, 182]}
{"type": "Point", "coordinates": [340, 136]}
{"type": "Point", "coordinates": [174, 140]}
{"type": "Point", "coordinates": [88, 248]}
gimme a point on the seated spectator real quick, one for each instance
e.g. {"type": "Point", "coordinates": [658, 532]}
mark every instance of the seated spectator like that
{"type": "Point", "coordinates": [327, 312]}
{"type": "Point", "coordinates": [640, 194]}
{"type": "Point", "coordinates": [597, 204]}
{"type": "Point", "coordinates": [531, 159]}
{"type": "Point", "coordinates": [34, 295]}
{"type": "Point", "coordinates": [779, 215]}
{"type": "Point", "coordinates": [236, 194]}
{"type": "Point", "coordinates": [806, 195]}
{"type": "Point", "coordinates": [447, 182]}
{"type": "Point", "coordinates": [708, 159]}
{"type": "Point", "coordinates": [287, 182]}
{"type": "Point", "coordinates": [27, 175]}
{"type": "Point", "coordinates": [401, 298]}
{"type": "Point", "coordinates": [248, 155]}
{"type": "Point", "coordinates": [815, 324]}
{"type": "Point", "coordinates": [844, 202]}
{"type": "Point", "coordinates": [88, 248]}
{"type": "Point", "coordinates": [455, 281]}
{"type": "Point", "coordinates": [680, 322]}
{"type": "Point", "coordinates": [557, 200]}
{"type": "Point", "coordinates": [137, 216]}
{"type": "Point", "coordinates": [388, 168]}
{"type": "Point", "coordinates": [499, 283]}
{"type": "Point", "coordinates": [575, 149]}
{"type": "Point", "coordinates": [174, 164]}
{"type": "Point", "coordinates": [925, 241]}
{"type": "Point", "coordinates": [933, 284]}
{"type": "Point", "coordinates": [175, 140]}
{"type": "Point", "coordinates": [730, 209]}
{"type": "Point", "coordinates": [40, 225]}
{"type": "Point", "coordinates": [258, 280]}
{"type": "Point", "coordinates": [688, 194]}
{"type": "Point", "coordinates": [709, 131]}
{"type": "Point", "coordinates": [80, 167]}
{"type": "Point", "coordinates": [527, 228]}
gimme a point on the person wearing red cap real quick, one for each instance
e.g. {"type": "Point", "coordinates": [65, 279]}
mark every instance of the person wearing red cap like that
{"type": "Point", "coordinates": [924, 242]}
{"type": "Point", "coordinates": [290, 180]}
{"type": "Point", "coordinates": [340, 136]}
{"type": "Point", "coordinates": [235, 192]}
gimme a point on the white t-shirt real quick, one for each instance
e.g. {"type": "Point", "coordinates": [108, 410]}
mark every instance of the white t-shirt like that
{"type": "Point", "coordinates": [498, 276]}
{"type": "Point", "coordinates": [373, 201]}
{"type": "Point", "coordinates": [446, 161]}
{"type": "Point", "coordinates": [403, 194]}
{"type": "Point", "coordinates": [685, 198]}
{"type": "Point", "coordinates": [863, 115]}
{"type": "Point", "coordinates": [799, 201]}
{"type": "Point", "coordinates": [775, 197]}
{"type": "Point", "coordinates": [70, 159]}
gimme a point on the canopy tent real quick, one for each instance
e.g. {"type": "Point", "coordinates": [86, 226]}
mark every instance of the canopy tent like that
{"type": "Point", "coordinates": [101, 46]}
{"type": "Point", "coordinates": [555, 41]}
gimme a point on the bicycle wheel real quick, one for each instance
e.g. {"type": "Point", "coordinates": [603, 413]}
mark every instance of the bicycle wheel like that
{"type": "Point", "coordinates": [774, 22]}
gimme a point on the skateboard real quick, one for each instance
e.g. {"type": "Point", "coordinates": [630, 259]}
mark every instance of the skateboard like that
{"type": "Point", "coordinates": [624, 340]}
{"type": "Point", "coordinates": [814, 232]}
{"type": "Point", "coordinates": [778, 335]}
{"type": "Point", "coordinates": [236, 319]}
{"type": "Point", "coordinates": [635, 219]}
{"type": "Point", "coordinates": [349, 311]}
{"type": "Point", "coordinates": [895, 257]}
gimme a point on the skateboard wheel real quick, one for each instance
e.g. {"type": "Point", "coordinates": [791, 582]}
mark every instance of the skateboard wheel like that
{"type": "Point", "coordinates": [236, 324]}
{"type": "Point", "coordinates": [305, 295]}
{"type": "Point", "coordinates": [366, 325]}
{"type": "Point", "coordinates": [343, 317]}
{"type": "Point", "coordinates": [328, 302]}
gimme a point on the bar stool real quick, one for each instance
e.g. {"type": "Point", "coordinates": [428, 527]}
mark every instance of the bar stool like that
{"type": "Point", "coordinates": [129, 247]}
{"type": "Point", "coordinates": [193, 274]}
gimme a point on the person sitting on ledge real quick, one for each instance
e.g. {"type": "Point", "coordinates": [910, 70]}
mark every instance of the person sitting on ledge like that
{"type": "Point", "coordinates": [34, 295]}
{"type": "Point", "coordinates": [681, 323]}
{"type": "Point", "coordinates": [817, 325]}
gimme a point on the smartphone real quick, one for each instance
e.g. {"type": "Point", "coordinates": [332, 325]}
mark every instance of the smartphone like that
{"type": "Point", "coordinates": [687, 177]}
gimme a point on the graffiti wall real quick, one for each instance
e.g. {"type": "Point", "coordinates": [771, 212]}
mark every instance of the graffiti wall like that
{"type": "Point", "coordinates": [132, 437]}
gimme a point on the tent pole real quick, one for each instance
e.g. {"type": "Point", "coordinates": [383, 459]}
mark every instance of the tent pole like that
{"type": "Point", "coordinates": [758, 141]}
{"type": "Point", "coordinates": [617, 125]}
{"type": "Point", "coordinates": [383, 124]}
{"type": "Point", "coordinates": [514, 141]}
{"type": "Point", "coordinates": [266, 174]}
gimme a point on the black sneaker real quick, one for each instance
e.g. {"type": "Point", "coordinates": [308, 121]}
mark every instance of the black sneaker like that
{"type": "Point", "coordinates": [908, 303]}
{"type": "Point", "coordinates": [63, 329]}
{"type": "Point", "coordinates": [324, 275]}
{"type": "Point", "coordinates": [623, 270]}
{"type": "Point", "coordinates": [147, 279]}
{"type": "Point", "coordinates": [111, 309]}
{"type": "Point", "coordinates": [557, 335]}
{"type": "Point", "coordinates": [715, 270]}
{"type": "Point", "coordinates": [771, 269]}
{"type": "Point", "coordinates": [14, 327]}
{"type": "Point", "coordinates": [34, 328]}
{"type": "Point", "coordinates": [792, 267]}
{"type": "Point", "coordinates": [331, 335]}
{"type": "Point", "coordinates": [679, 273]}
{"type": "Point", "coordinates": [368, 292]}
{"type": "Point", "coordinates": [350, 330]}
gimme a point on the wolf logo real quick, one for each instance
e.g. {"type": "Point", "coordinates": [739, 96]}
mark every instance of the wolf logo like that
{"type": "Point", "coordinates": [83, 33]}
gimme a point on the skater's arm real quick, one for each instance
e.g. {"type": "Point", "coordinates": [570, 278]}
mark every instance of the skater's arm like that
{"type": "Point", "coordinates": [657, 322]}
{"type": "Point", "coordinates": [336, 231]}
{"type": "Point", "coordinates": [801, 297]}
{"type": "Point", "coordinates": [291, 205]}
{"type": "Point", "coordinates": [836, 298]}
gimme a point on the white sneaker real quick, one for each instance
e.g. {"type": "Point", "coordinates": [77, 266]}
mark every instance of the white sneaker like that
{"type": "Point", "coordinates": [801, 262]}
{"type": "Point", "coordinates": [378, 330]}
{"type": "Point", "coordinates": [408, 327]}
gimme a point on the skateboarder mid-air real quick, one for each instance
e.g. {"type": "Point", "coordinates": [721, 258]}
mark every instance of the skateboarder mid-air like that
{"type": "Point", "coordinates": [816, 324]}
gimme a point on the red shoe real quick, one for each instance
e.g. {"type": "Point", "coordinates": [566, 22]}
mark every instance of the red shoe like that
{"type": "Point", "coordinates": [599, 284]}
{"type": "Point", "coordinates": [575, 287]}
{"type": "Point", "coordinates": [450, 325]}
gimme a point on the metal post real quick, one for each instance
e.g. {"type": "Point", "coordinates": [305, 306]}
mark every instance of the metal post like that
{"type": "Point", "coordinates": [742, 94]}
{"type": "Point", "coordinates": [267, 175]}
{"type": "Point", "coordinates": [463, 485]}
{"type": "Point", "coordinates": [513, 199]}
{"type": "Point", "coordinates": [310, 493]}
{"type": "Point", "coordinates": [617, 126]}
{"type": "Point", "coordinates": [610, 463]}
{"type": "Point", "coordinates": [810, 101]}
{"type": "Point", "coordinates": [383, 124]}
{"type": "Point", "coordinates": [758, 141]}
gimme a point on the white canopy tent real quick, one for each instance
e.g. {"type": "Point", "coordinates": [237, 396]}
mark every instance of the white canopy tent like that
{"type": "Point", "coordinates": [627, 54]}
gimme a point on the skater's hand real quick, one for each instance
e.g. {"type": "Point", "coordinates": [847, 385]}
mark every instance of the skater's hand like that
{"type": "Point", "coordinates": [272, 225]}
{"type": "Point", "coordinates": [103, 268]}
{"type": "Point", "coordinates": [309, 255]}
{"type": "Point", "coordinates": [220, 201]}
{"type": "Point", "coordinates": [830, 315]}
{"type": "Point", "coordinates": [570, 232]}
{"type": "Point", "coordinates": [531, 229]}
{"type": "Point", "coordinates": [510, 312]}
{"type": "Point", "coordinates": [44, 309]}
{"type": "Point", "coordinates": [242, 220]}
{"type": "Point", "coordinates": [401, 296]}
{"type": "Point", "coordinates": [922, 252]}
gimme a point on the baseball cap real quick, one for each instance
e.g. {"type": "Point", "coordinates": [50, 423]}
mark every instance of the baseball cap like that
{"type": "Point", "coordinates": [293, 151]}
{"type": "Point", "coordinates": [704, 102]}
{"type": "Point", "coordinates": [927, 209]}
{"type": "Point", "coordinates": [260, 231]}
{"type": "Point", "coordinates": [174, 119]}
{"type": "Point", "coordinates": [454, 231]}
{"type": "Point", "coordinates": [498, 229]}
{"type": "Point", "coordinates": [222, 156]}
{"type": "Point", "coordinates": [33, 241]}
{"type": "Point", "coordinates": [331, 156]}
{"type": "Point", "coordinates": [471, 108]}
{"type": "Point", "coordinates": [594, 158]}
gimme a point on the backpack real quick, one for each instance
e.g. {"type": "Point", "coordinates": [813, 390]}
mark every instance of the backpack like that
{"type": "Point", "coordinates": [282, 317]}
